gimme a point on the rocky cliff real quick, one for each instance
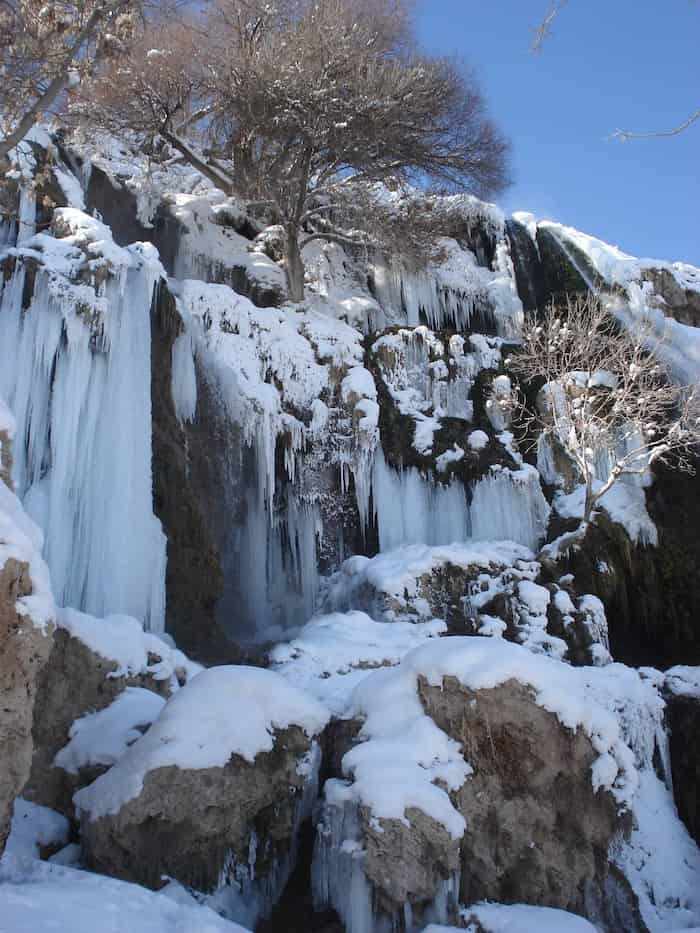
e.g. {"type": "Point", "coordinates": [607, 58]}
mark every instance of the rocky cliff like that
{"type": "Point", "coordinates": [458, 708]}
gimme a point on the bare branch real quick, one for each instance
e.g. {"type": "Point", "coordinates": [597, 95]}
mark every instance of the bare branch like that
{"type": "Point", "coordinates": [605, 398]}
{"type": "Point", "coordinates": [624, 135]}
{"type": "Point", "coordinates": [544, 29]}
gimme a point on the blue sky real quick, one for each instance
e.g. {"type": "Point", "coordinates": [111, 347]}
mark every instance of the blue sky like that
{"type": "Point", "coordinates": [633, 64]}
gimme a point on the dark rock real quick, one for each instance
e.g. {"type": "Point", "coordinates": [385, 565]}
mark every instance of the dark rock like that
{"type": "Point", "coordinates": [683, 714]}
{"type": "Point", "coordinates": [194, 576]}
{"type": "Point", "coordinates": [651, 594]}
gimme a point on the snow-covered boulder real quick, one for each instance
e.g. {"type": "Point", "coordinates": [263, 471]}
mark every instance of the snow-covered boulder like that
{"type": "Point", "coordinates": [26, 624]}
{"type": "Point", "coordinates": [81, 711]}
{"type": "Point", "coordinates": [214, 793]}
{"type": "Point", "coordinates": [481, 771]}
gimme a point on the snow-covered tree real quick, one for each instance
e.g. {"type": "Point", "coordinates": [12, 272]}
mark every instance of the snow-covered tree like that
{"type": "Point", "coordinates": [604, 396]}
{"type": "Point", "coordinates": [303, 107]}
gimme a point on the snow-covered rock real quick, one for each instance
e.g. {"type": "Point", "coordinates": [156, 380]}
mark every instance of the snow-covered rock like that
{"type": "Point", "coordinates": [214, 792]}
{"type": "Point", "coordinates": [92, 662]}
{"type": "Point", "coordinates": [470, 741]}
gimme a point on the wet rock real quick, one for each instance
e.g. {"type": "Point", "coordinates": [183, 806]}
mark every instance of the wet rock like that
{"type": "Point", "coordinates": [683, 716]}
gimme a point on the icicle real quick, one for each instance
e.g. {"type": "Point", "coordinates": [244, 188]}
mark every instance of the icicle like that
{"type": "Point", "coordinates": [510, 505]}
{"type": "Point", "coordinates": [83, 456]}
{"type": "Point", "coordinates": [184, 378]}
{"type": "Point", "coordinates": [337, 872]}
{"type": "Point", "coordinates": [27, 214]}
{"type": "Point", "coordinates": [411, 509]}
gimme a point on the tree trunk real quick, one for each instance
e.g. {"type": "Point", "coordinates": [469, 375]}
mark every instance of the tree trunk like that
{"type": "Point", "coordinates": [294, 266]}
{"type": "Point", "coordinates": [589, 502]}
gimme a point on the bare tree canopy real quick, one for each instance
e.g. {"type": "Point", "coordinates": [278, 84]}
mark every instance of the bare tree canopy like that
{"type": "Point", "coordinates": [543, 32]}
{"type": "Point", "coordinates": [605, 398]}
{"type": "Point", "coordinates": [295, 104]}
{"type": "Point", "coordinates": [45, 49]}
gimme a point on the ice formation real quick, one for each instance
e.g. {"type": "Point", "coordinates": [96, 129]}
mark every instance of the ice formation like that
{"type": "Point", "coordinates": [76, 374]}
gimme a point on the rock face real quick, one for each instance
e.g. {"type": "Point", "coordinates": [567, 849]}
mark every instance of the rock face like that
{"type": "Point", "coordinates": [219, 808]}
{"type": "Point", "coordinates": [684, 727]}
{"type": "Point", "coordinates": [24, 649]}
{"type": "Point", "coordinates": [536, 831]}
{"type": "Point", "coordinates": [194, 576]}
{"type": "Point", "coordinates": [651, 594]}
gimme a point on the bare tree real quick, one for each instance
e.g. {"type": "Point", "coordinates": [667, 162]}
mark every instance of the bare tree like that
{"type": "Point", "coordinates": [605, 397]}
{"type": "Point", "coordinates": [158, 88]}
{"type": "Point", "coordinates": [45, 48]}
{"type": "Point", "coordinates": [543, 31]}
{"type": "Point", "coordinates": [335, 101]}
{"type": "Point", "coordinates": [302, 106]}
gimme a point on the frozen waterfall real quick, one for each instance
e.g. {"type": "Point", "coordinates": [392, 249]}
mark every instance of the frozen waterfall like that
{"type": "Point", "coordinates": [78, 380]}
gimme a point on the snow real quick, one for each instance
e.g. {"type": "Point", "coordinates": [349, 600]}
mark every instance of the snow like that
{"type": "Point", "coordinates": [121, 639]}
{"type": "Point", "coordinates": [33, 827]}
{"type": "Point", "coordinates": [397, 573]}
{"type": "Point", "coordinates": [683, 681]}
{"type": "Point", "coordinates": [520, 918]}
{"type": "Point", "coordinates": [535, 597]}
{"type": "Point", "coordinates": [624, 502]}
{"type": "Point", "coordinates": [661, 861]}
{"type": "Point", "coordinates": [21, 540]}
{"type": "Point", "coordinates": [102, 738]}
{"type": "Point", "coordinates": [454, 455]}
{"type": "Point", "coordinates": [209, 250]}
{"type": "Point", "coordinates": [53, 897]}
{"type": "Point", "coordinates": [334, 652]}
{"type": "Point", "coordinates": [196, 729]}
{"type": "Point", "coordinates": [642, 309]}
{"type": "Point", "coordinates": [477, 440]}
{"type": "Point", "coordinates": [359, 383]}
{"type": "Point", "coordinates": [427, 379]}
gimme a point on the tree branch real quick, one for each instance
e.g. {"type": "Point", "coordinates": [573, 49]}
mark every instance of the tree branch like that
{"type": "Point", "coordinates": [58, 84]}
{"type": "Point", "coordinates": [624, 135]}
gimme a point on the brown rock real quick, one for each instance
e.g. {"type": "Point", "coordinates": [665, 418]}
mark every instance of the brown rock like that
{"type": "Point", "coordinates": [24, 649]}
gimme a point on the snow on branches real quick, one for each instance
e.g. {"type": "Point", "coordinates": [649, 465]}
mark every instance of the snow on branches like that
{"type": "Point", "coordinates": [604, 396]}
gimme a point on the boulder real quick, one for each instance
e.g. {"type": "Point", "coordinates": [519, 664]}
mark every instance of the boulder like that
{"type": "Point", "coordinates": [480, 771]}
{"type": "Point", "coordinates": [92, 662]}
{"type": "Point", "coordinates": [214, 793]}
